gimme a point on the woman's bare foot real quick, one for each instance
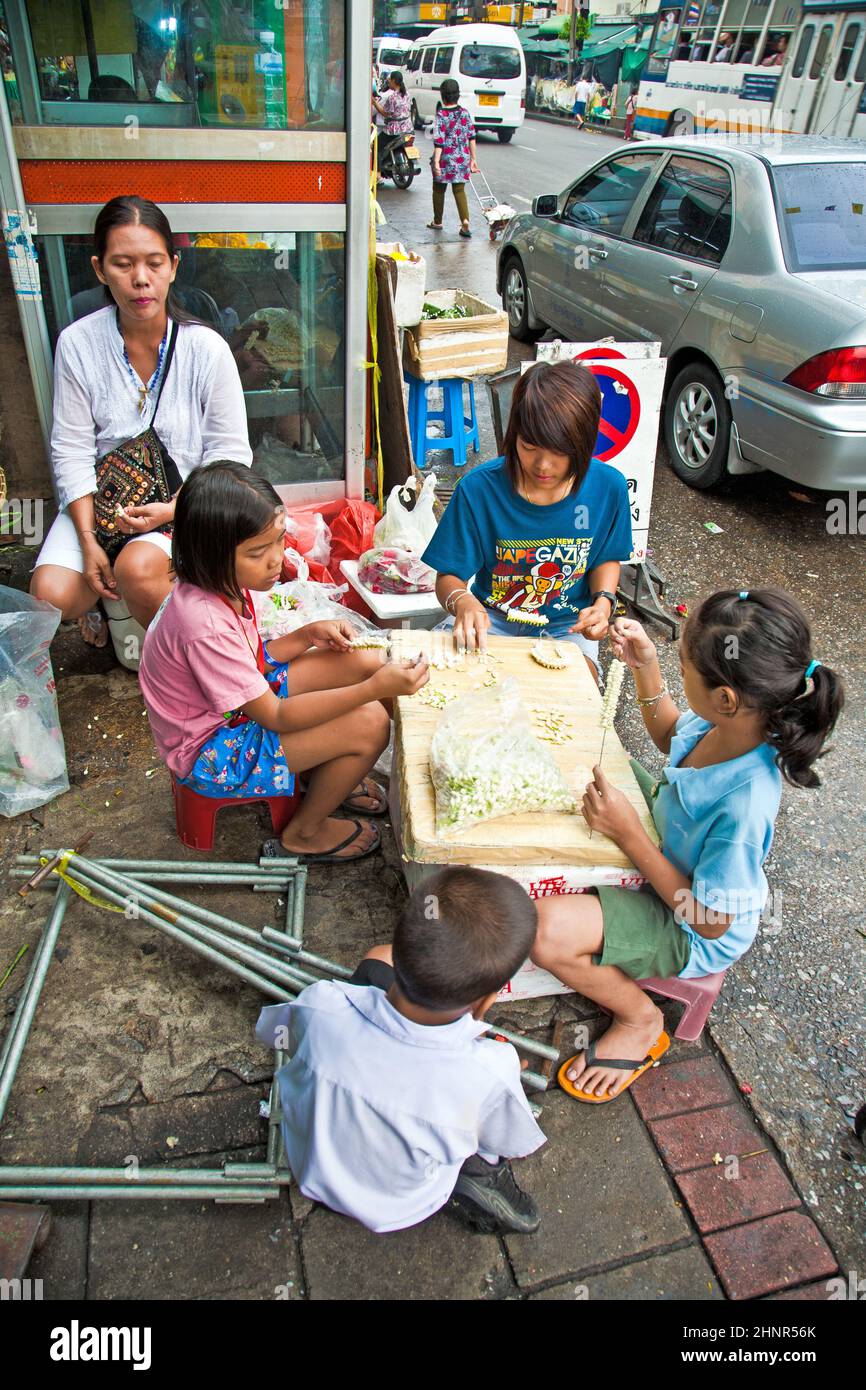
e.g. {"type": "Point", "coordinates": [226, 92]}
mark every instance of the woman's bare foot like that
{"type": "Point", "coordinates": [367, 796]}
{"type": "Point", "coordinates": [93, 628]}
{"type": "Point", "coordinates": [331, 832]}
{"type": "Point", "coordinates": [631, 1040]}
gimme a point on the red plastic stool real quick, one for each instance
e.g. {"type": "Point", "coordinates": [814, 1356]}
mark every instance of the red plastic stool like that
{"type": "Point", "coordinates": [699, 996]}
{"type": "Point", "coordinates": [195, 815]}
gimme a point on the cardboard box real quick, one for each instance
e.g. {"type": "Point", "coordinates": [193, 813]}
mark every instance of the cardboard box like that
{"type": "Point", "coordinates": [475, 346]}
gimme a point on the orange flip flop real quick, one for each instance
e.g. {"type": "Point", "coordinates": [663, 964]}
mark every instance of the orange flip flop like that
{"type": "Point", "coordinates": [658, 1049]}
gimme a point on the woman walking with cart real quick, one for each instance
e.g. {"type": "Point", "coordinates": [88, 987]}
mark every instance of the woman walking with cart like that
{"type": "Point", "coordinates": [453, 156]}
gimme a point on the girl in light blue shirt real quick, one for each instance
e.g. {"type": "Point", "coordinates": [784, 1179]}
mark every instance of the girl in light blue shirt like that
{"type": "Point", "coordinates": [760, 708]}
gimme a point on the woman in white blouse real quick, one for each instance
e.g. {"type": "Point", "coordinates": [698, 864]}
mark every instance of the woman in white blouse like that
{"type": "Point", "coordinates": [108, 371]}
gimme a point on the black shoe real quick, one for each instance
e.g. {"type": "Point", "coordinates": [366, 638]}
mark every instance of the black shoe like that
{"type": "Point", "coordinates": [487, 1196]}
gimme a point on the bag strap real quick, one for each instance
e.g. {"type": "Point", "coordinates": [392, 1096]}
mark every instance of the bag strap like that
{"type": "Point", "coordinates": [168, 359]}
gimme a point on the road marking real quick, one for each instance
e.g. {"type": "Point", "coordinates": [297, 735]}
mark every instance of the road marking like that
{"type": "Point", "coordinates": [518, 198]}
{"type": "Point", "coordinates": [528, 148]}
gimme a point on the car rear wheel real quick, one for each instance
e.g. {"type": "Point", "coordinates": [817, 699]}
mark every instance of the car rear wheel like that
{"type": "Point", "coordinates": [503, 136]}
{"type": "Point", "coordinates": [515, 302]}
{"type": "Point", "coordinates": [697, 426]}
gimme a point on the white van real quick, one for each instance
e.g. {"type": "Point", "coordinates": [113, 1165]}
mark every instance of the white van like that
{"type": "Point", "coordinates": [391, 53]}
{"type": "Point", "coordinates": [488, 63]}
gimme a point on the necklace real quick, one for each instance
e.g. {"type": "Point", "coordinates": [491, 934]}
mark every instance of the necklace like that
{"type": "Point", "coordinates": [144, 391]}
{"type": "Point", "coordinates": [564, 491]}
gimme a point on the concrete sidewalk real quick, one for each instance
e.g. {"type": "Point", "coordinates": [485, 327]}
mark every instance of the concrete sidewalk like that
{"type": "Point", "coordinates": [140, 1048]}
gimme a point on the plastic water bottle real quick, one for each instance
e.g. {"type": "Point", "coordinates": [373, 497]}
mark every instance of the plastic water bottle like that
{"type": "Point", "coordinates": [271, 68]}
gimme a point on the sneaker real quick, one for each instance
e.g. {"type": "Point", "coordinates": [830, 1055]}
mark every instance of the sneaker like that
{"type": "Point", "coordinates": [487, 1196]}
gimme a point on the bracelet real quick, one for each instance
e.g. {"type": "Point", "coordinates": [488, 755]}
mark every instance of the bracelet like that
{"type": "Point", "coordinates": [645, 701]}
{"type": "Point", "coordinates": [455, 593]}
{"type": "Point", "coordinates": [87, 531]}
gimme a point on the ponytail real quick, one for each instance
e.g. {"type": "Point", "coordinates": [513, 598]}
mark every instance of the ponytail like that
{"type": "Point", "coordinates": [758, 642]}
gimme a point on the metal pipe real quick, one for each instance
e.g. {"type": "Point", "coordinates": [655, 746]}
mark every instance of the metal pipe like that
{"type": "Point", "coordinates": [298, 902]}
{"type": "Point", "coordinates": [215, 957]}
{"type": "Point", "coordinates": [268, 884]}
{"type": "Point", "coordinates": [527, 1044]}
{"type": "Point", "coordinates": [280, 942]}
{"type": "Point", "coordinates": [102, 879]}
{"type": "Point", "coordinates": [149, 1177]}
{"type": "Point", "coordinates": [204, 914]}
{"type": "Point", "coordinates": [230, 1192]}
{"type": "Point", "coordinates": [534, 1081]}
{"type": "Point", "coordinates": [23, 1017]}
{"type": "Point", "coordinates": [278, 866]}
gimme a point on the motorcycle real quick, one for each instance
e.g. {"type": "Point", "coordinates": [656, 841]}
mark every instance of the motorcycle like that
{"type": "Point", "coordinates": [400, 160]}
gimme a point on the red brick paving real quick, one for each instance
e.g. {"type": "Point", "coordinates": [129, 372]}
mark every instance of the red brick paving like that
{"type": "Point", "coordinates": [813, 1293]}
{"type": "Point", "coordinates": [692, 1140]}
{"type": "Point", "coordinates": [680, 1086]}
{"type": "Point", "coordinates": [716, 1200]}
{"type": "Point", "coordinates": [768, 1255]}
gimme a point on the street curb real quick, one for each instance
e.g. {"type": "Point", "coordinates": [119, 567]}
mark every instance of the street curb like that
{"type": "Point", "coordinates": [615, 132]}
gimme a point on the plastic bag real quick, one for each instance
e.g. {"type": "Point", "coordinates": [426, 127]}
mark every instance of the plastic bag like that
{"type": "Point", "coordinates": [32, 755]}
{"type": "Point", "coordinates": [319, 552]}
{"type": "Point", "coordinates": [403, 529]}
{"type": "Point", "coordinates": [352, 530]}
{"type": "Point", "coordinates": [293, 604]}
{"type": "Point", "coordinates": [393, 571]}
{"type": "Point", "coordinates": [486, 762]}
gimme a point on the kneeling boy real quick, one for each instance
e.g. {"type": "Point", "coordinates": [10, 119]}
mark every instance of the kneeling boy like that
{"type": "Point", "coordinates": [393, 1101]}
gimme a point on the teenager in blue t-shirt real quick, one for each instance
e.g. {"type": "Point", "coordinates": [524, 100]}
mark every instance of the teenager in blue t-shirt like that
{"type": "Point", "coordinates": [543, 529]}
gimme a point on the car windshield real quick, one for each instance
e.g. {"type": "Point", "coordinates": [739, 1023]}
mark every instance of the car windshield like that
{"type": "Point", "coordinates": [485, 60]}
{"type": "Point", "coordinates": [392, 57]}
{"type": "Point", "coordinates": [822, 215]}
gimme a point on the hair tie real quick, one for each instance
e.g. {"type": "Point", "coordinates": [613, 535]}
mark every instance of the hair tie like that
{"type": "Point", "coordinates": [743, 594]}
{"type": "Point", "coordinates": [811, 668]}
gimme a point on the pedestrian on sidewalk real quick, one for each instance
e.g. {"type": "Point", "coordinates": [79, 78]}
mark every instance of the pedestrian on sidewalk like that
{"type": "Point", "coordinates": [582, 93]}
{"type": "Point", "coordinates": [630, 113]}
{"type": "Point", "coordinates": [760, 709]}
{"type": "Point", "coordinates": [394, 1102]}
{"type": "Point", "coordinates": [453, 155]}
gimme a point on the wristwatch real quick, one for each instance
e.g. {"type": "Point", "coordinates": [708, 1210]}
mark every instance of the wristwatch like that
{"type": "Point", "coordinates": [611, 598]}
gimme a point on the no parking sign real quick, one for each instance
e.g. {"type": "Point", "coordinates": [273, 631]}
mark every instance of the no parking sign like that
{"type": "Point", "coordinates": [631, 378]}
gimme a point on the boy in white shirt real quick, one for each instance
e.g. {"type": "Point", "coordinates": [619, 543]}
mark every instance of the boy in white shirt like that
{"type": "Point", "coordinates": [394, 1102]}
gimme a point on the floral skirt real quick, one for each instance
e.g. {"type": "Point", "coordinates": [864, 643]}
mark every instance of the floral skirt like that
{"type": "Point", "coordinates": [246, 760]}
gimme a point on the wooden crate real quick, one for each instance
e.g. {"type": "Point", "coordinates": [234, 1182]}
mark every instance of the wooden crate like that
{"type": "Point", "coordinates": [477, 346]}
{"type": "Point", "coordinates": [536, 838]}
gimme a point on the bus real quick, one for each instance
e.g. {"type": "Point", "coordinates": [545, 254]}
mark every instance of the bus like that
{"type": "Point", "coordinates": [742, 65]}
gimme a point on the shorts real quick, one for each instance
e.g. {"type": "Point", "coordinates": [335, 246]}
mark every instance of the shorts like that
{"type": "Point", "coordinates": [377, 973]}
{"type": "Point", "coordinates": [246, 760]}
{"type": "Point", "coordinates": [501, 627]}
{"type": "Point", "coordinates": [62, 546]}
{"type": "Point", "coordinates": [578, 108]}
{"type": "Point", "coordinates": [641, 934]}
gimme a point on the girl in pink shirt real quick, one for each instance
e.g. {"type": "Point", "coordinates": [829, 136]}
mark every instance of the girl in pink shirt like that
{"type": "Point", "coordinates": [234, 716]}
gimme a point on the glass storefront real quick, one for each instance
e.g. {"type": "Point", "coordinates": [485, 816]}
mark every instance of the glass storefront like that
{"type": "Point", "coordinates": [244, 64]}
{"type": "Point", "coordinates": [279, 301]}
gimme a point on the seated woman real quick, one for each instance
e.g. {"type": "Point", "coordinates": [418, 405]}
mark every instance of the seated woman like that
{"type": "Point", "coordinates": [543, 529]}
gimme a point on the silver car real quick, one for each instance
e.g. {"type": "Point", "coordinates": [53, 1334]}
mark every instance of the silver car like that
{"type": "Point", "coordinates": [747, 259]}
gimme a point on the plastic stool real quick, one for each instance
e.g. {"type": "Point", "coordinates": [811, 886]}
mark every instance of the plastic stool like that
{"type": "Point", "coordinates": [195, 815]}
{"type": "Point", "coordinates": [460, 429]}
{"type": "Point", "coordinates": [699, 996]}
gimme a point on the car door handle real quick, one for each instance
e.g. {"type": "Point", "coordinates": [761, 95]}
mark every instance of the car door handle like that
{"type": "Point", "coordinates": [598, 253]}
{"type": "Point", "coordinates": [683, 282]}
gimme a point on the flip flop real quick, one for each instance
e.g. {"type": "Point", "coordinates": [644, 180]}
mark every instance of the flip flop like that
{"type": "Point", "coordinates": [465, 232]}
{"type": "Point", "coordinates": [350, 804]}
{"type": "Point", "coordinates": [435, 226]}
{"type": "Point", "coordinates": [275, 849]}
{"type": "Point", "coordinates": [658, 1049]}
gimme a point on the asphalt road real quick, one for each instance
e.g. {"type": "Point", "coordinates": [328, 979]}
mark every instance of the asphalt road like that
{"type": "Point", "coordinates": [791, 1019]}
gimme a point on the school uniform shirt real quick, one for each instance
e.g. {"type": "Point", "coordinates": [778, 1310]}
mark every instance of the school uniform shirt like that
{"type": "Point", "coordinates": [716, 827]}
{"type": "Point", "coordinates": [530, 559]}
{"type": "Point", "coordinates": [379, 1113]}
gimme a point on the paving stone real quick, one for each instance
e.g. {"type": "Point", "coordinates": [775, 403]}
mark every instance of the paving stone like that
{"type": "Point", "coordinates": [192, 1250]}
{"type": "Point", "coordinates": [692, 1140]}
{"type": "Point", "coordinates": [681, 1086]}
{"type": "Point", "coordinates": [679, 1275]}
{"type": "Point", "coordinates": [812, 1293]}
{"type": "Point", "coordinates": [770, 1254]}
{"type": "Point", "coordinates": [222, 1120]}
{"type": "Point", "coordinates": [600, 1188]}
{"type": "Point", "coordinates": [715, 1200]}
{"type": "Point", "coordinates": [438, 1259]}
{"type": "Point", "coordinates": [61, 1264]}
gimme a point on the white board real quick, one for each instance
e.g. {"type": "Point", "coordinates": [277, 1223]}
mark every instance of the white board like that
{"type": "Point", "coordinates": [638, 373]}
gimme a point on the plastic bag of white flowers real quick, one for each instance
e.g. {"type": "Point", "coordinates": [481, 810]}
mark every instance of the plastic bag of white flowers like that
{"type": "Point", "coordinates": [486, 762]}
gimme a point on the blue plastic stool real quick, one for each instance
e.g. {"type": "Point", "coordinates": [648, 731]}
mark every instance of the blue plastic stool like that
{"type": "Point", "coordinates": [460, 429]}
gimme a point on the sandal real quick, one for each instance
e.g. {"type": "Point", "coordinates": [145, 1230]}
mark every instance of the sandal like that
{"type": "Point", "coordinates": [465, 232]}
{"type": "Point", "coordinates": [658, 1049]}
{"type": "Point", "coordinates": [368, 788]}
{"type": "Point", "coordinates": [275, 849]}
{"type": "Point", "coordinates": [435, 226]}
